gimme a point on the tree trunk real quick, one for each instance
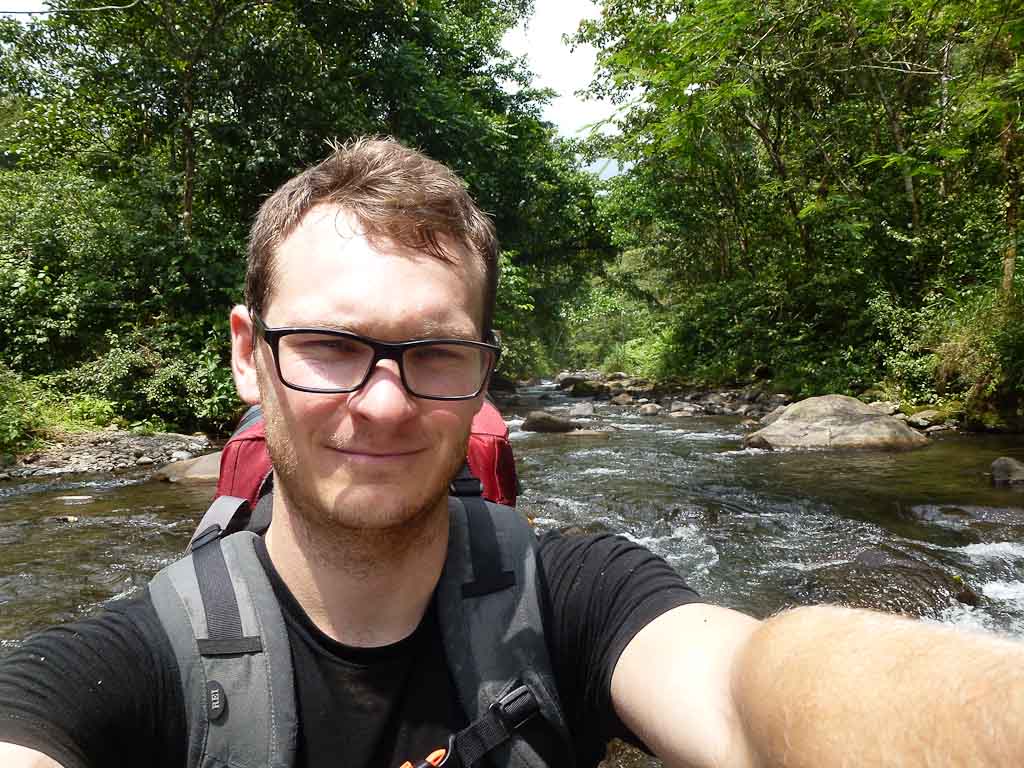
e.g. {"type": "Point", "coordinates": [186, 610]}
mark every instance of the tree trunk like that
{"type": "Point", "coordinates": [783, 173]}
{"type": "Point", "coordinates": [1011, 168]}
{"type": "Point", "coordinates": [896, 125]}
{"type": "Point", "coordinates": [188, 151]}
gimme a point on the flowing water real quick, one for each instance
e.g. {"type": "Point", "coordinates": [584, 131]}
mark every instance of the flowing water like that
{"type": "Point", "coordinates": [922, 532]}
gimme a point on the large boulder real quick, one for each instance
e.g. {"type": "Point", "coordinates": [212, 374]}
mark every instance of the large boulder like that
{"type": "Point", "coordinates": [774, 416]}
{"type": "Point", "coordinates": [1007, 471]}
{"type": "Point", "coordinates": [542, 421]}
{"type": "Point", "coordinates": [203, 469]}
{"type": "Point", "coordinates": [835, 421]}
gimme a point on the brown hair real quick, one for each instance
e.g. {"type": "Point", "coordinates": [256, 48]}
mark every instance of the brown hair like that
{"type": "Point", "coordinates": [395, 193]}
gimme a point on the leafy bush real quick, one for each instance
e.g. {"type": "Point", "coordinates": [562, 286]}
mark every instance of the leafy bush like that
{"type": "Point", "coordinates": [21, 419]}
{"type": "Point", "coordinates": [159, 377]}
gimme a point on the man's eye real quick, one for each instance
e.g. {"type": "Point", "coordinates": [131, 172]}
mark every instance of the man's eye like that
{"type": "Point", "coordinates": [440, 354]}
{"type": "Point", "coordinates": [329, 346]}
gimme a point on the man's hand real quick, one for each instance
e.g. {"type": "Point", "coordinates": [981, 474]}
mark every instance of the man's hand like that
{"type": "Point", "coordinates": [14, 756]}
{"type": "Point", "coordinates": [820, 686]}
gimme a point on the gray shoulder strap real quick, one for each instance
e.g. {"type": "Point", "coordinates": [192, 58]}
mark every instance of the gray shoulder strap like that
{"type": "Point", "coordinates": [491, 618]}
{"type": "Point", "coordinates": [232, 653]}
{"type": "Point", "coordinates": [218, 519]}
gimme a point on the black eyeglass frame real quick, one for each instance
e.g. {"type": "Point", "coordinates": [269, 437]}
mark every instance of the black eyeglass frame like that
{"type": "Point", "coordinates": [382, 350]}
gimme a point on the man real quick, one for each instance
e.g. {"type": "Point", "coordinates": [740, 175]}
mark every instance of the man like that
{"type": "Point", "coordinates": [370, 294]}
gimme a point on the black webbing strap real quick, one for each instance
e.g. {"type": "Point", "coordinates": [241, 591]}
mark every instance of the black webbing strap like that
{"type": "Point", "coordinates": [466, 483]}
{"type": "Point", "coordinates": [484, 552]}
{"type": "Point", "coordinates": [504, 717]}
{"type": "Point", "coordinates": [223, 622]}
{"type": "Point", "coordinates": [254, 414]}
{"type": "Point", "coordinates": [262, 514]}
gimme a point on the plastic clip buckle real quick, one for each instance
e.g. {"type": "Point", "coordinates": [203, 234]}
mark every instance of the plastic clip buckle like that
{"type": "Point", "coordinates": [505, 707]}
{"type": "Point", "coordinates": [210, 534]}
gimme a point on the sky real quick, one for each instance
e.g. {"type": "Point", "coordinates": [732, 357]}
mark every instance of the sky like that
{"type": "Point", "coordinates": [539, 39]}
{"type": "Point", "coordinates": [555, 66]}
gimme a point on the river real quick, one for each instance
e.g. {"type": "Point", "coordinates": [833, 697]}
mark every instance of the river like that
{"type": "Point", "coordinates": [923, 533]}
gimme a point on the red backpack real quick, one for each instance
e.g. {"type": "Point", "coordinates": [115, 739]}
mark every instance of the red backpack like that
{"type": "Point", "coordinates": [245, 463]}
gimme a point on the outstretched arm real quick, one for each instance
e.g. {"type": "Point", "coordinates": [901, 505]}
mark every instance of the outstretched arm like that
{"type": "Point", "coordinates": [820, 686]}
{"type": "Point", "coordinates": [13, 756]}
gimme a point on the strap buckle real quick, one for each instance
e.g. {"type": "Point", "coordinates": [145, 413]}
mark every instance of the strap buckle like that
{"type": "Point", "coordinates": [515, 708]}
{"type": "Point", "coordinates": [212, 533]}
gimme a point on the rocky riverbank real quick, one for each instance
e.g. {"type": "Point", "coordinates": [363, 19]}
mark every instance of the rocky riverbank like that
{"type": "Point", "coordinates": [109, 450]}
{"type": "Point", "coordinates": [829, 421]}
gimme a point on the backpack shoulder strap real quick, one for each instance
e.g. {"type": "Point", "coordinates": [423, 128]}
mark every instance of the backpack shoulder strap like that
{"type": "Point", "coordinates": [492, 622]}
{"type": "Point", "coordinates": [225, 515]}
{"type": "Point", "coordinates": [220, 613]}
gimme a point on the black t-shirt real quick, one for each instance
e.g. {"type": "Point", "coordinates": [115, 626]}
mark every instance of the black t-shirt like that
{"type": "Point", "coordinates": [106, 692]}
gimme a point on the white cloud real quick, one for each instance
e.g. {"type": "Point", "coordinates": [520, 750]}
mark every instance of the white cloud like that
{"type": "Point", "coordinates": [7, 6]}
{"type": "Point", "coordinates": [558, 68]}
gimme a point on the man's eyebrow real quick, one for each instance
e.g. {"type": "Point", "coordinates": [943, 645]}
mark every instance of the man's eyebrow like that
{"type": "Point", "coordinates": [430, 329]}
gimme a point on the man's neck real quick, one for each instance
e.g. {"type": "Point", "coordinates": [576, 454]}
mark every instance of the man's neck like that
{"type": "Point", "coordinates": [360, 587]}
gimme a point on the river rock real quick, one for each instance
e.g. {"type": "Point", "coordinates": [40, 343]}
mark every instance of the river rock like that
{"type": "Point", "coordinates": [1007, 471]}
{"type": "Point", "coordinates": [650, 409]}
{"type": "Point", "coordinates": [144, 460]}
{"type": "Point", "coordinates": [587, 388]}
{"type": "Point", "coordinates": [542, 421]}
{"type": "Point", "coordinates": [623, 398]}
{"type": "Point", "coordinates": [923, 419]}
{"type": "Point", "coordinates": [596, 434]}
{"type": "Point", "coordinates": [568, 380]}
{"type": "Point", "coordinates": [582, 410]}
{"type": "Point", "coordinates": [180, 455]}
{"type": "Point", "coordinates": [772, 417]}
{"type": "Point", "coordinates": [681, 409]}
{"type": "Point", "coordinates": [885, 407]}
{"type": "Point", "coordinates": [835, 421]}
{"type": "Point", "coordinates": [203, 469]}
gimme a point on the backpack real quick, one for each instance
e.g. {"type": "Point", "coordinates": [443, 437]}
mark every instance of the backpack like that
{"type": "Point", "coordinates": [227, 632]}
{"type": "Point", "coordinates": [245, 463]}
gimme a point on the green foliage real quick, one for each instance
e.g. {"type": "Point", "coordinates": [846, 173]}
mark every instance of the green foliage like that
{"type": "Point", "coordinates": [136, 146]}
{"type": "Point", "coordinates": [820, 191]}
{"type": "Point", "coordinates": [21, 420]}
{"type": "Point", "coordinates": [165, 374]}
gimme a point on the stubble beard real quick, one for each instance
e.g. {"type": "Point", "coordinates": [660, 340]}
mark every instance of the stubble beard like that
{"type": "Point", "coordinates": [359, 534]}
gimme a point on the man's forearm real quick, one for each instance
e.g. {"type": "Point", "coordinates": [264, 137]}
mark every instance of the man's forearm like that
{"type": "Point", "coordinates": [822, 686]}
{"type": "Point", "coordinates": [14, 756]}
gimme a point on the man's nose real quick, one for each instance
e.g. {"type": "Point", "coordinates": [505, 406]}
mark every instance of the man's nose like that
{"type": "Point", "coordinates": [383, 396]}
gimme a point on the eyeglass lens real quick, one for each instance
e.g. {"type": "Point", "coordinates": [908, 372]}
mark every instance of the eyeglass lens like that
{"type": "Point", "coordinates": [437, 369]}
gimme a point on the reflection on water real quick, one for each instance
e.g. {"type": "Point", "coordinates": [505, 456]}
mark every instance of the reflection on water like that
{"type": "Point", "coordinates": [922, 532]}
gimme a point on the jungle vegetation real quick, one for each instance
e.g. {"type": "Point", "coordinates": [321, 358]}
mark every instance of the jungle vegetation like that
{"type": "Point", "coordinates": [821, 195]}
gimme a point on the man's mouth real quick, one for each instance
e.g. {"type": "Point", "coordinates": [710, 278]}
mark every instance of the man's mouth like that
{"type": "Point", "coordinates": [376, 455]}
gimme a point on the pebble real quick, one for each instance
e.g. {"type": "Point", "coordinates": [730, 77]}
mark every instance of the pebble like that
{"type": "Point", "coordinates": [145, 460]}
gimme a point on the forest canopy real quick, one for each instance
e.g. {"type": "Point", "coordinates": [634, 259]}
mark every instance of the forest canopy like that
{"type": "Point", "coordinates": [820, 195]}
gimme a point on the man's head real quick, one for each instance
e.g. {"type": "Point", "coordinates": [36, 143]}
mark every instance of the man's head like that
{"type": "Point", "coordinates": [395, 194]}
{"type": "Point", "coordinates": [380, 242]}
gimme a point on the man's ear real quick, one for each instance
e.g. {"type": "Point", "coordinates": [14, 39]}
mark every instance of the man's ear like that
{"type": "Point", "coordinates": [243, 359]}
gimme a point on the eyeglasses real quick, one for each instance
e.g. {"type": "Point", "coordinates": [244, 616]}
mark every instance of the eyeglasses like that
{"type": "Point", "coordinates": [332, 362]}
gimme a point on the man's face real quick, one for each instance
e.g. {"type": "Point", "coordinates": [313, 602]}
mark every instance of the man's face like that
{"type": "Point", "coordinates": [377, 457]}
